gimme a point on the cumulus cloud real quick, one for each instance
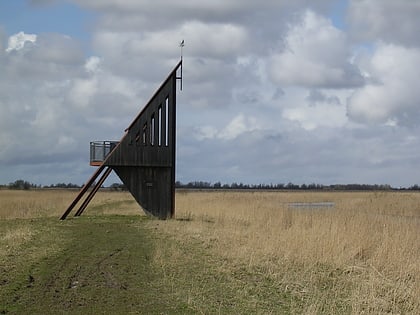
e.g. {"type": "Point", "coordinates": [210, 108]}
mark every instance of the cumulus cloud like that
{"type": "Point", "coordinates": [17, 41]}
{"type": "Point", "coordinates": [47, 56]}
{"type": "Point", "coordinates": [82, 90]}
{"type": "Point", "coordinates": [392, 96]}
{"type": "Point", "coordinates": [146, 14]}
{"type": "Point", "coordinates": [220, 40]}
{"type": "Point", "coordinates": [54, 100]}
{"type": "Point", "coordinates": [386, 20]}
{"type": "Point", "coordinates": [154, 15]}
{"type": "Point", "coordinates": [317, 96]}
{"type": "Point", "coordinates": [316, 55]}
{"type": "Point", "coordinates": [291, 154]}
{"type": "Point", "coordinates": [92, 64]}
{"type": "Point", "coordinates": [237, 126]}
{"type": "Point", "coordinates": [203, 40]}
{"type": "Point", "coordinates": [322, 115]}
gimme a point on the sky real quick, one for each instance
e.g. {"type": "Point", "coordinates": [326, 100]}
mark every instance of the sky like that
{"type": "Point", "coordinates": [274, 91]}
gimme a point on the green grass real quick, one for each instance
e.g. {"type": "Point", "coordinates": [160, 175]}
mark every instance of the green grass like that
{"type": "Point", "coordinates": [116, 265]}
{"type": "Point", "coordinates": [88, 265]}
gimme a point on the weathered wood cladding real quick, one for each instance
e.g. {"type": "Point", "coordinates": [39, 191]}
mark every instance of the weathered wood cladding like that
{"type": "Point", "coordinates": [150, 187]}
{"type": "Point", "coordinates": [145, 157]}
{"type": "Point", "coordinates": [144, 143]}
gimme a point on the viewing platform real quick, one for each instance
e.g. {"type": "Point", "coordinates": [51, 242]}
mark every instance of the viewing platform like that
{"type": "Point", "coordinates": [99, 150]}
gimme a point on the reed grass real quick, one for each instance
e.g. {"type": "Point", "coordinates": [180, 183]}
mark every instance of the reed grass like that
{"type": "Point", "coordinates": [365, 250]}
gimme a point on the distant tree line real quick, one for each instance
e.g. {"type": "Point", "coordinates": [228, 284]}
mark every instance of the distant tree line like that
{"type": "Point", "coordinates": [63, 185]}
{"type": "Point", "coordinates": [118, 187]}
{"type": "Point", "coordinates": [25, 185]}
{"type": "Point", "coordinates": [289, 186]}
{"type": "Point", "coordinates": [21, 184]}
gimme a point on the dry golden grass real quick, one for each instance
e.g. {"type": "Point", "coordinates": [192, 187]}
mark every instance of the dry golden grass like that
{"type": "Point", "coordinates": [369, 243]}
{"type": "Point", "coordinates": [53, 203]}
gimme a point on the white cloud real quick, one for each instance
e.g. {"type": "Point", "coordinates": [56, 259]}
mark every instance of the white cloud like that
{"type": "Point", "coordinates": [214, 40]}
{"type": "Point", "coordinates": [146, 14]}
{"type": "Point", "coordinates": [17, 41]}
{"type": "Point", "coordinates": [82, 91]}
{"type": "Point", "coordinates": [57, 48]}
{"type": "Point", "coordinates": [387, 20]}
{"type": "Point", "coordinates": [316, 55]}
{"type": "Point", "coordinates": [321, 115]}
{"type": "Point", "coordinates": [327, 155]}
{"type": "Point", "coordinates": [392, 94]}
{"type": "Point", "coordinates": [237, 126]}
{"type": "Point", "coordinates": [49, 57]}
{"type": "Point", "coordinates": [202, 39]}
{"type": "Point", "coordinates": [205, 132]}
{"type": "Point", "coordinates": [92, 64]}
{"type": "Point", "coordinates": [53, 101]}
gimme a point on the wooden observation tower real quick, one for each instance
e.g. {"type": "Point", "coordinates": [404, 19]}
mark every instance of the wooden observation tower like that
{"type": "Point", "coordinates": [144, 159]}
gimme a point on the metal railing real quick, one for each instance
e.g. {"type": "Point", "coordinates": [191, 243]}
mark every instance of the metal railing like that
{"type": "Point", "coordinates": [99, 150]}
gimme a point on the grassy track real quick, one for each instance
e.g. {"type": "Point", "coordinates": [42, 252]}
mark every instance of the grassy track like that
{"type": "Point", "coordinates": [84, 266]}
{"type": "Point", "coordinates": [116, 265]}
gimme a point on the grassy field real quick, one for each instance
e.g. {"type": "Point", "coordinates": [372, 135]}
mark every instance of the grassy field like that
{"type": "Point", "coordinates": [225, 253]}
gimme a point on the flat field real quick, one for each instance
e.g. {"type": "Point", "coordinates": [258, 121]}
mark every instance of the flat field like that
{"type": "Point", "coordinates": [226, 252]}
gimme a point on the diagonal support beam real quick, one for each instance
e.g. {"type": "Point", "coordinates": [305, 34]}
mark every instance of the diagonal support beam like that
{"type": "Point", "coordinates": [83, 191]}
{"type": "Point", "coordinates": [93, 192]}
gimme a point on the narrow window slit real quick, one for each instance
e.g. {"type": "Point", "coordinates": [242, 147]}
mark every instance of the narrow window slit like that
{"type": "Point", "coordinates": [167, 121]}
{"type": "Point", "coordinates": [137, 139]}
{"type": "Point", "coordinates": [160, 125]}
{"type": "Point", "coordinates": [144, 135]}
{"type": "Point", "coordinates": [152, 130]}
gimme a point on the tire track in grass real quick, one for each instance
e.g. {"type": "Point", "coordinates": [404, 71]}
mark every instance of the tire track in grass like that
{"type": "Point", "coordinates": [104, 266]}
{"type": "Point", "coordinates": [122, 265]}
